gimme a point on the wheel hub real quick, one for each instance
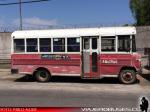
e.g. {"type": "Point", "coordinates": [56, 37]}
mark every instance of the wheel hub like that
{"type": "Point", "coordinates": [127, 76]}
{"type": "Point", "coordinates": [42, 75]}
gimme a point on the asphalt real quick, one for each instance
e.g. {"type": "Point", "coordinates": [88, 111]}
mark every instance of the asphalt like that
{"type": "Point", "coordinates": [22, 91]}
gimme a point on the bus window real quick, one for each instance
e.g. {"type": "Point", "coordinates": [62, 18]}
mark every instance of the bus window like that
{"type": "Point", "coordinates": [86, 43]}
{"type": "Point", "coordinates": [73, 44]}
{"type": "Point", "coordinates": [94, 43]}
{"type": "Point", "coordinates": [133, 44]}
{"type": "Point", "coordinates": [45, 44]}
{"type": "Point", "coordinates": [32, 45]}
{"type": "Point", "coordinates": [59, 44]}
{"type": "Point", "coordinates": [124, 43]}
{"type": "Point", "coordinates": [19, 45]}
{"type": "Point", "coordinates": [108, 44]}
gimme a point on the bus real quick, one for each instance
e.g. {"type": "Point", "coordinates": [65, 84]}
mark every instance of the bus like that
{"type": "Point", "coordinates": [89, 53]}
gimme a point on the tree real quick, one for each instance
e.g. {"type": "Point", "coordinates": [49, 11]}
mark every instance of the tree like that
{"type": "Point", "coordinates": [141, 11]}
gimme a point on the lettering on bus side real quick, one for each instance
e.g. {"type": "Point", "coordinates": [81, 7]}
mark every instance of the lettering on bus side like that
{"type": "Point", "coordinates": [109, 61]}
{"type": "Point", "coordinates": [55, 57]}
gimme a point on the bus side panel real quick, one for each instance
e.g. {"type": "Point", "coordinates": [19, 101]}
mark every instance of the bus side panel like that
{"type": "Point", "coordinates": [111, 64]}
{"type": "Point", "coordinates": [65, 64]}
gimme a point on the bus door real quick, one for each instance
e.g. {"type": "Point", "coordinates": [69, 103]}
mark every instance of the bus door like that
{"type": "Point", "coordinates": [90, 60]}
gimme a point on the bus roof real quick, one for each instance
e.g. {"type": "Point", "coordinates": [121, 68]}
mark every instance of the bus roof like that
{"type": "Point", "coordinates": [76, 32]}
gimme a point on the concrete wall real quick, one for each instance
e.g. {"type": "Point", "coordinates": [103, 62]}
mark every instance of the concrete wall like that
{"type": "Point", "coordinates": [5, 45]}
{"type": "Point", "coordinates": [143, 41]}
{"type": "Point", "coordinates": [142, 38]}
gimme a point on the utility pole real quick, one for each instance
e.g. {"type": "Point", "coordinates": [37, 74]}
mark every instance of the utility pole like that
{"type": "Point", "coordinates": [20, 7]}
{"type": "Point", "coordinates": [20, 10]}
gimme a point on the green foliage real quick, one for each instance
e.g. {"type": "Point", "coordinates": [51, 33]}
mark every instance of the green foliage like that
{"type": "Point", "coordinates": [141, 11]}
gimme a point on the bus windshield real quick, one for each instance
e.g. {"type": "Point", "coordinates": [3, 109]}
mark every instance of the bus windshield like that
{"type": "Point", "coordinates": [124, 43]}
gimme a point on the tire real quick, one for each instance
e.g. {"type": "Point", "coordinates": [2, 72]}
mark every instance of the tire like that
{"type": "Point", "coordinates": [127, 77]}
{"type": "Point", "coordinates": [42, 75]}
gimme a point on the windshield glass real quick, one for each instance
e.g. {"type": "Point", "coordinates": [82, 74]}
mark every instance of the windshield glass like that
{"type": "Point", "coordinates": [124, 43]}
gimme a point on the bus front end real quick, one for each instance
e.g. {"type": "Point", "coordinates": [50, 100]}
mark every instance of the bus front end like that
{"type": "Point", "coordinates": [137, 62]}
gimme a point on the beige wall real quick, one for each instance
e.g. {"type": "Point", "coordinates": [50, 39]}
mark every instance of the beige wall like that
{"type": "Point", "coordinates": [142, 38]}
{"type": "Point", "coordinates": [5, 48]}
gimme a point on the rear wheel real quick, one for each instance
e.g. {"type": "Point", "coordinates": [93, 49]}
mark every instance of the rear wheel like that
{"type": "Point", "coordinates": [42, 75]}
{"type": "Point", "coordinates": [127, 76]}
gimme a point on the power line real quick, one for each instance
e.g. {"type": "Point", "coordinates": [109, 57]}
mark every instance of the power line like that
{"type": "Point", "coordinates": [20, 6]}
{"type": "Point", "coordinates": [14, 3]}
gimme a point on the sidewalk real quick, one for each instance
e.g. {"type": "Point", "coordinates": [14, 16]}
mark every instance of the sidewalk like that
{"type": "Point", "coordinates": [5, 70]}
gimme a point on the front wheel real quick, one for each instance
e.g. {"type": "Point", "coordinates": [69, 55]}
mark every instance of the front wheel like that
{"type": "Point", "coordinates": [127, 76]}
{"type": "Point", "coordinates": [42, 75]}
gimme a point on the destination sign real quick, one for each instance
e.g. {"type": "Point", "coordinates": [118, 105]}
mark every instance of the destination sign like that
{"type": "Point", "coordinates": [55, 57]}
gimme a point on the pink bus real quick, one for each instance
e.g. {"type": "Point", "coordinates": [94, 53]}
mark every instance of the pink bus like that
{"type": "Point", "coordinates": [90, 53]}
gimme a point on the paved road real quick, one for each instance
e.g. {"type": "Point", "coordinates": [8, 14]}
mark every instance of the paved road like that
{"type": "Point", "coordinates": [71, 92]}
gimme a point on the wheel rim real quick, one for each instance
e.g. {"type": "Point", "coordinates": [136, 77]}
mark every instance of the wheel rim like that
{"type": "Point", "coordinates": [127, 76]}
{"type": "Point", "coordinates": [42, 75]}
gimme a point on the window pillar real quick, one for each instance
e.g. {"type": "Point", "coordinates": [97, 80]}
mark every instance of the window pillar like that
{"type": "Point", "coordinates": [116, 43]}
{"type": "Point", "coordinates": [25, 43]}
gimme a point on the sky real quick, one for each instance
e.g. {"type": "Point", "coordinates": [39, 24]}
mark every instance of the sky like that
{"type": "Point", "coordinates": [68, 12]}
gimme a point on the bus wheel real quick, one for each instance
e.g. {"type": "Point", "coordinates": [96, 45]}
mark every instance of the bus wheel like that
{"type": "Point", "coordinates": [42, 75]}
{"type": "Point", "coordinates": [127, 76]}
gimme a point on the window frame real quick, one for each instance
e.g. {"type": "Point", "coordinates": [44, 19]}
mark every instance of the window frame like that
{"type": "Point", "coordinates": [67, 52]}
{"type": "Point", "coordinates": [97, 42]}
{"type": "Point", "coordinates": [89, 43]}
{"type": "Point", "coordinates": [73, 45]}
{"type": "Point", "coordinates": [115, 40]}
{"type": "Point", "coordinates": [116, 51]}
{"type": "Point", "coordinates": [53, 45]}
{"type": "Point", "coordinates": [13, 45]}
{"type": "Point", "coordinates": [130, 37]}
{"type": "Point", "coordinates": [37, 45]}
